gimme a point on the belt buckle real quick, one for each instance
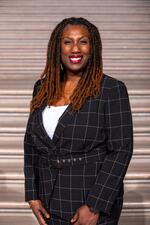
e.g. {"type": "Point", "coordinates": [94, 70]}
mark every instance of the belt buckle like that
{"type": "Point", "coordinates": [59, 164]}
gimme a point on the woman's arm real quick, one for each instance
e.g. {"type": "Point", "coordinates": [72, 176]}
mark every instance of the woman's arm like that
{"type": "Point", "coordinates": [30, 159]}
{"type": "Point", "coordinates": [119, 132]}
{"type": "Point", "coordinates": [31, 171]}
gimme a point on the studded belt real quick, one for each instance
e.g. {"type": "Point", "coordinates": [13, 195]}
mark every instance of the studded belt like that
{"type": "Point", "coordinates": [59, 163]}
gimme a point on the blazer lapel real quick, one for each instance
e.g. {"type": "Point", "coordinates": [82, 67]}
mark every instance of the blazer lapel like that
{"type": "Point", "coordinates": [39, 129]}
{"type": "Point", "coordinates": [63, 121]}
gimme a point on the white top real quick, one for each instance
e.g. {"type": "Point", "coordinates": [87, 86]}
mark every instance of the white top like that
{"type": "Point", "coordinates": [50, 116]}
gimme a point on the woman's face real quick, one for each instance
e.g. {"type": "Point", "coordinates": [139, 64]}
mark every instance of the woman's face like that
{"type": "Point", "coordinates": [75, 48]}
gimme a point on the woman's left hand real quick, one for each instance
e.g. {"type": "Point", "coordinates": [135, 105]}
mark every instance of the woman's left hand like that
{"type": "Point", "coordinates": [84, 216]}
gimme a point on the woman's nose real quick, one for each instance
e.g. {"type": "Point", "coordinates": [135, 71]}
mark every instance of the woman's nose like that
{"type": "Point", "coordinates": [75, 47]}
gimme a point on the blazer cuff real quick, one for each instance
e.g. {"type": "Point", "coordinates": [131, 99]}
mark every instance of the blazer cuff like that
{"type": "Point", "coordinates": [93, 210]}
{"type": "Point", "coordinates": [31, 195]}
{"type": "Point", "coordinates": [98, 205]}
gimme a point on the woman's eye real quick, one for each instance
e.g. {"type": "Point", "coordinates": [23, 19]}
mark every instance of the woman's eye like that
{"type": "Point", "coordinates": [67, 42]}
{"type": "Point", "coordinates": [84, 41]}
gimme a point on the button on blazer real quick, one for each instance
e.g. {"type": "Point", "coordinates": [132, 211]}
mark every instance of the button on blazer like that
{"type": "Point", "coordinates": [103, 130]}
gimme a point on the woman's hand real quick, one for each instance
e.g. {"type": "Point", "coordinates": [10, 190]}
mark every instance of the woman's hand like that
{"type": "Point", "coordinates": [39, 211]}
{"type": "Point", "coordinates": [84, 216]}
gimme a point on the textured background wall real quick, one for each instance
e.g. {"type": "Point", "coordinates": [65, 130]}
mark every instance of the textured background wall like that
{"type": "Point", "coordinates": [25, 27]}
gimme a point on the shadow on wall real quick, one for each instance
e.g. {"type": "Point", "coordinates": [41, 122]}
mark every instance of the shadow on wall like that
{"type": "Point", "coordinates": [134, 216]}
{"type": "Point", "coordinates": [10, 193]}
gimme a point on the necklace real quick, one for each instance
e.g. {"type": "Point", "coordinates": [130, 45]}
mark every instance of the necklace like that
{"type": "Point", "coordinates": [67, 90]}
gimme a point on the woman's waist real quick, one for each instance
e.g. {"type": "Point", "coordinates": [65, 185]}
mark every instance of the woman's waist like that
{"type": "Point", "coordinates": [59, 161]}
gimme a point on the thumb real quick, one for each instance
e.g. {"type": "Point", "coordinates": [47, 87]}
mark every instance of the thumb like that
{"type": "Point", "coordinates": [74, 218]}
{"type": "Point", "coordinates": [46, 214]}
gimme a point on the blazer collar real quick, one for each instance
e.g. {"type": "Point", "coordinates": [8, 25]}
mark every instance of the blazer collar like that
{"type": "Point", "coordinates": [63, 121]}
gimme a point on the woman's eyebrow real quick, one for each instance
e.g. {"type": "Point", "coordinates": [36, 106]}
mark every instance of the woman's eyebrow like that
{"type": "Point", "coordinates": [71, 37]}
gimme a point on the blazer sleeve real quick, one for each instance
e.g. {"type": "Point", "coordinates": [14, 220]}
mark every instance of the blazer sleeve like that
{"type": "Point", "coordinates": [30, 159]}
{"type": "Point", "coordinates": [119, 133]}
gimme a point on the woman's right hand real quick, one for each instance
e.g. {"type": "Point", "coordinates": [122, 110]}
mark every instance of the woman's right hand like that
{"type": "Point", "coordinates": [39, 211]}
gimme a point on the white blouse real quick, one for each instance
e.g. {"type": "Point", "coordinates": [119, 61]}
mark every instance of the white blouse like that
{"type": "Point", "coordinates": [50, 117]}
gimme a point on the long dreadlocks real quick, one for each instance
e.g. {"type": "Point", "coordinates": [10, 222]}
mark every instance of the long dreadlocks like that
{"type": "Point", "coordinates": [51, 78]}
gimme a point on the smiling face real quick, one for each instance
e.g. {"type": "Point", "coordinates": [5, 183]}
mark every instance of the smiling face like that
{"type": "Point", "coordinates": [75, 48]}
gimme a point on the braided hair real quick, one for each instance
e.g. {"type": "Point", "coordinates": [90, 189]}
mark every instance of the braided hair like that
{"type": "Point", "coordinates": [51, 78]}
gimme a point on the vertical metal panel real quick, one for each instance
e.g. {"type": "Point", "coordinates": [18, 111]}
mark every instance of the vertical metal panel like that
{"type": "Point", "coordinates": [25, 27]}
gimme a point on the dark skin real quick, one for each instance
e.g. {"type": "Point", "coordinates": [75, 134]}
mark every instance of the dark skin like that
{"type": "Point", "coordinates": [75, 42]}
{"type": "Point", "coordinates": [75, 51]}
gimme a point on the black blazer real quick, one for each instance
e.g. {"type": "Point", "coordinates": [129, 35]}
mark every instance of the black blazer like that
{"type": "Point", "coordinates": [97, 144]}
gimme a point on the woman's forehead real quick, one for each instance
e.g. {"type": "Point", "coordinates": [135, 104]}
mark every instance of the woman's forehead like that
{"type": "Point", "coordinates": [77, 29]}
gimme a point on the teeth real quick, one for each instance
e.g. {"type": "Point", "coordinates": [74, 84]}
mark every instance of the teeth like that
{"type": "Point", "coordinates": [75, 59]}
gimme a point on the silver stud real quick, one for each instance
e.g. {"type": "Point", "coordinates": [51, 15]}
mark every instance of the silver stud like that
{"type": "Point", "coordinates": [69, 160]}
{"type": "Point", "coordinates": [58, 161]}
{"type": "Point", "coordinates": [74, 159]}
{"type": "Point", "coordinates": [80, 159]}
{"type": "Point", "coordinates": [64, 160]}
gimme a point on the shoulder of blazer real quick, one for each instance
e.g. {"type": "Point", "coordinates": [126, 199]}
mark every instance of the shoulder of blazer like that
{"type": "Point", "coordinates": [36, 88]}
{"type": "Point", "coordinates": [108, 82]}
{"type": "Point", "coordinates": [111, 82]}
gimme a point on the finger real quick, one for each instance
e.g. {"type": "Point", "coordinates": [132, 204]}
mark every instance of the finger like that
{"type": "Point", "coordinates": [77, 223]}
{"type": "Point", "coordinates": [40, 218]}
{"type": "Point", "coordinates": [75, 218]}
{"type": "Point", "coordinates": [46, 214]}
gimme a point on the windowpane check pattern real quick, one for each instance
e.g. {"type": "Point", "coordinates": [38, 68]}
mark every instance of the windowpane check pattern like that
{"type": "Point", "coordinates": [86, 160]}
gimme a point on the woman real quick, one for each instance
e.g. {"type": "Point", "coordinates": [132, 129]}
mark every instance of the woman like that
{"type": "Point", "coordinates": [79, 137]}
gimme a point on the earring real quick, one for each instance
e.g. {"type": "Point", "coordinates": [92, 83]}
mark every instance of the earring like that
{"type": "Point", "coordinates": [61, 67]}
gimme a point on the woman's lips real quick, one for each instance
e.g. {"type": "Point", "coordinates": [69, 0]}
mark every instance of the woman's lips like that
{"type": "Point", "coordinates": [75, 60]}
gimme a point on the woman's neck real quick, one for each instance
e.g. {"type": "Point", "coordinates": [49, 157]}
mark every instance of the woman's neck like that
{"type": "Point", "coordinates": [71, 77]}
{"type": "Point", "coordinates": [68, 86]}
